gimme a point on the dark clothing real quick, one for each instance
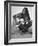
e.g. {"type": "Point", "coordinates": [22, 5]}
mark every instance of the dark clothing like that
{"type": "Point", "coordinates": [24, 28]}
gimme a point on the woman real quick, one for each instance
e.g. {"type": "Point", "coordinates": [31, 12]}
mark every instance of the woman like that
{"type": "Point", "coordinates": [26, 23]}
{"type": "Point", "coordinates": [23, 20]}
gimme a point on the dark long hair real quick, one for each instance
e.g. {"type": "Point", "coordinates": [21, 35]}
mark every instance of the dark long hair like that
{"type": "Point", "coordinates": [26, 13]}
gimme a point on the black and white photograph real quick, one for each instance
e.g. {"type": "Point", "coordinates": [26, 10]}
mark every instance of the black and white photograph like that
{"type": "Point", "coordinates": [20, 22]}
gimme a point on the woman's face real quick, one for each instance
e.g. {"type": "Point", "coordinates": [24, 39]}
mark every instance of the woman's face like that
{"type": "Point", "coordinates": [22, 21]}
